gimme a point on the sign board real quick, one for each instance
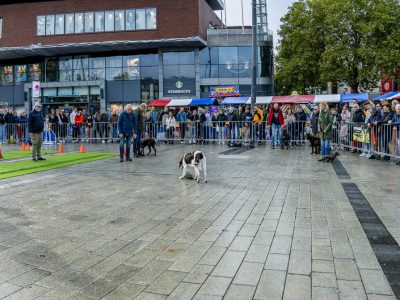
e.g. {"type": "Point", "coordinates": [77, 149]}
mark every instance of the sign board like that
{"type": "Point", "coordinates": [361, 133]}
{"type": "Point", "coordinates": [179, 87]}
{"type": "Point", "coordinates": [387, 85]}
{"type": "Point", "coordinates": [224, 91]}
{"type": "Point", "coordinates": [35, 89]}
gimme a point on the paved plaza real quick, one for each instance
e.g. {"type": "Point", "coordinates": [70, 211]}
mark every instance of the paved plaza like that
{"type": "Point", "coordinates": [268, 225]}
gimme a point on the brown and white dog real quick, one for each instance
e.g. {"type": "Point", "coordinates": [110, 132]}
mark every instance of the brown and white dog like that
{"type": "Point", "coordinates": [197, 160]}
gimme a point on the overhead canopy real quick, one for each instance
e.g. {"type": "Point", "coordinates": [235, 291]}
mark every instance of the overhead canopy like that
{"type": "Point", "coordinates": [263, 100]}
{"type": "Point", "coordinates": [327, 98]}
{"type": "Point", "coordinates": [395, 97]}
{"type": "Point", "coordinates": [203, 102]}
{"type": "Point", "coordinates": [159, 103]}
{"type": "Point", "coordinates": [179, 102]}
{"type": "Point", "coordinates": [351, 97]}
{"type": "Point", "coordinates": [294, 99]}
{"type": "Point", "coordinates": [386, 96]}
{"type": "Point", "coordinates": [235, 101]}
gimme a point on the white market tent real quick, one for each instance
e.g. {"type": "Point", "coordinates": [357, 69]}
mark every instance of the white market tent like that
{"type": "Point", "coordinates": [327, 98]}
{"type": "Point", "coordinates": [179, 102]}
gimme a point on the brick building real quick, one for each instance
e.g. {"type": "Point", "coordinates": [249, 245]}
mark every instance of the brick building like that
{"type": "Point", "coordinates": [102, 53]}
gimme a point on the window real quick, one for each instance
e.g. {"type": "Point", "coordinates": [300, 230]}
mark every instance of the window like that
{"type": "Point", "coordinates": [140, 19]}
{"type": "Point", "coordinates": [79, 23]}
{"type": "Point", "coordinates": [65, 66]}
{"type": "Point", "coordinates": [1, 27]}
{"type": "Point", "coordinates": [69, 23]}
{"type": "Point", "coordinates": [50, 25]}
{"type": "Point", "coordinates": [130, 19]}
{"type": "Point", "coordinates": [99, 27]}
{"type": "Point", "coordinates": [109, 22]}
{"type": "Point", "coordinates": [20, 73]}
{"type": "Point", "coordinates": [98, 21]}
{"type": "Point", "coordinates": [151, 20]}
{"type": "Point", "coordinates": [41, 25]}
{"type": "Point", "coordinates": [34, 72]}
{"type": "Point", "coordinates": [59, 24]}
{"type": "Point", "coordinates": [132, 67]}
{"type": "Point", "coordinates": [119, 20]}
{"type": "Point", "coordinates": [89, 22]}
{"type": "Point", "coordinates": [7, 75]}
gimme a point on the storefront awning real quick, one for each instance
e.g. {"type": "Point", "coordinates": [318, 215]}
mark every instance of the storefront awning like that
{"type": "Point", "coordinates": [203, 102]}
{"type": "Point", "coordinates": [394, 97]}
{"type": "Point", "coordinates": [179, 102]}
{"type": "Point", "coordinates": [159, 103]}
{"type": "Point", "coordinates": [351, 97]}
{"type": "Point", "coordinates": [38, 50]}
{"type": "Point", "coordinates": [335, 98]}
{"type": "Point", "coordinates": [294, 99]}
{"type": "Point", "coordinates": [235, 101]}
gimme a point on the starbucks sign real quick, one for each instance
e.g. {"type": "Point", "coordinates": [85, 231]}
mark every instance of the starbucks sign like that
{"type": "Point", "coordinates": [176, 87]}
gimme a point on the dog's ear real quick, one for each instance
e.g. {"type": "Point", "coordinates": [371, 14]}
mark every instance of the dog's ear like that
{"type": "Point", "coordinates": [180, 163]}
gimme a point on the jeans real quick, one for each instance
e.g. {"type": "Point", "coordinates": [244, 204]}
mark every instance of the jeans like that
{"type": "Point", "coordinates": [2, 133]}
{"type": "Point", "coordinates": [136, 142]}
{"type": "Point", "coordinates": [325, 147]}
{"type": "Point", "coordinates": [183, 130]}
{"type": "Point", "coordinates": [192, 133]}
{"type": "Point", "coordinates": [276, 130]}
{"type": "Point", "coordinates": [126, 139]}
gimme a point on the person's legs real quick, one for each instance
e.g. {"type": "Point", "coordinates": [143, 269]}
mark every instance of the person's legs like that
{"type": "Point", "coordinates": [274, 129]}
{"type": "Point", "coordinates": [121, 147]}
{"type": "Point", "coordinates": [279, 129]}
{"type": "Point", "coordinates": [35, 142]}
{"type": "Point", "coordinates": [39, 145]}
{"type": "Point", "coordinates": [128, 141]}
{"type": "Point", "coordinates": [328, 147]}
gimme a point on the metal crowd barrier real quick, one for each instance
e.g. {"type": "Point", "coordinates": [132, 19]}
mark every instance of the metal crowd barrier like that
{"type": "Point", "coordinates": [379, 141]}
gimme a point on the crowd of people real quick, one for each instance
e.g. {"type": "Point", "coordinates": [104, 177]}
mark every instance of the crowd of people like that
{"type": "Point", "coordinates": [228, 125]}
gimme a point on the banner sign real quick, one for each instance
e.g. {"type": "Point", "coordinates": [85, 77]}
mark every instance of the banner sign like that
{"type": "Point", "coordinates": [361, 133]}
{"type": "Point", "coordinates": [224, 91]}
{"type": "Point", "coordinates": [35, 89]}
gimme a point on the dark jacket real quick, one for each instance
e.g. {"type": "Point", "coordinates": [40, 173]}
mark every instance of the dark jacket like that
{"type": "Point", "coordinates": [139, 120]}
{"type": "Point", "coordinates": [2, 120]}
{"type": "Point", "coordinates": [22, 119]}
{"type": "Point", "coordinates": [325, 122]}
{"type": "Point", "coordinates": [396, 120]}
{"type": "Point", "coordinates": [35, 122]}
{"type": "Point", "coordinates": [301, 116]}
{"type": "Point", "coordinates": [247, 117]}
{"type": "Point", "coordinates": [314, 123]}
{"type": "Point", "coordinates": [358, 116]}
{"type": "Point", "coordinates": [386, 117]}
{"type": "Point", "coordinates": [9, 118]}
{"type": "Point", "coordinates": [377, 117]}
{"type": "Point", "coordinates": [127, 124]}
{"type": "Point", "coordinates": [231, 118]}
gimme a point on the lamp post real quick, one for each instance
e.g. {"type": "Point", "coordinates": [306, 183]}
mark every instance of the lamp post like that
{"type": "Point", "coordinates": [254, 50]}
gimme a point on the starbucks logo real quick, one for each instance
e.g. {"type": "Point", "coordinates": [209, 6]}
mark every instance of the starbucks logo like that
{"type": "Point", "coordinates": [179, 84]}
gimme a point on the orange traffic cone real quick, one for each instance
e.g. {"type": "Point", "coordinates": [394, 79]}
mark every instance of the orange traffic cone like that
{"type": "Point", "coordinates": [1, 155]}
{"type": "Point", "coordinates": [61, 149]}
{"type": "Point", "coordinates": [27, 147]}
{"type": "Point", "coordinates": [82, 150]}
{"type": "Point", "coordinates": [23, 146]}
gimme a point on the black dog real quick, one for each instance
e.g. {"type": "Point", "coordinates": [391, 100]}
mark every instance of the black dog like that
{"type": "Point", "coordinates": [149, 143]}
{"type": "Point", "coordinates": [286, 138]}
{"type": "Point", "coordinates": [315, 143]}
{"type": "Point", "coordinates": [330, 158]}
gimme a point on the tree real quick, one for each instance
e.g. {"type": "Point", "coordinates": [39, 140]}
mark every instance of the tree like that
{"type": "Point", "coordinates": [338, 40]}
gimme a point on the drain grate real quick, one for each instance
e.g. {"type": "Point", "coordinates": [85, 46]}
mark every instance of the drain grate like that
{"type": "Point", "coordinates": [382, 242]}
{"type": "Point", "coordinates": [236, 151]}
{"type": "Point", "coordinates": [341, 172]}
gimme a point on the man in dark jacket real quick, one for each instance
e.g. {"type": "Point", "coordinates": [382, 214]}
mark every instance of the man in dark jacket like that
{"type": "Point", "coordinates": [385, 130]}
{"type": "Point", "coordinates": [231, 124]}
{"type": "Point", "coordinates": [139, 114]}
{"type": "Point", "coordinates": [35, 128]}
{"type": "Point", "coordinates": [126, 131]}
{"type": "Point", "coordinates": [357, 117]}
{"type": "Point", "coordinates": [301, 119]}
{"type": "Point", "coordinates": [314, 120]}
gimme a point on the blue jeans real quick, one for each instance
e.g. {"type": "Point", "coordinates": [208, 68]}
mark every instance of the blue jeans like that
{"type": "Point", "coordinates": [325, 147]}
{"type": "Point", "coordinates": [276, 130]}
{"type": "Point", "coordinates": [2, 133]}
{"type": "Point", "coordinates": [136, 142]}
{"type": "Point", "coordinates": [126, 139]}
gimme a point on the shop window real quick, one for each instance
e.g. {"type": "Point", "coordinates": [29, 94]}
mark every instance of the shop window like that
{"type": "Point", "coordinates": [99, 25]}
{"type": "Point", "coordinates": [41, 25]}
{"type": "Point", "coordinates": [20, 73]}
{"type": "Point", "coordinates": [51, 70]}
{"type": "Point", "coordinates": [50, 25]}
{"type": "Point", "coordinates": [69, 23]}
{"type": "Point", "coordinates": [89, 22]}
{"type": "Point", "coordinates": [79, 23]}
{"type": "Point", "coordinates": [148, 60]}
{"type": "Point", "coordinates": [119, 20]}
{"type": "Point", "coordinates": [35, 72]}
{"type": "Point", "coordinates": [109, 21]}
{"type": "Point", "coordinates": [151, 20]}
{"type": "Point", "coordinates": [7, 75]}
{"type": "Point", "coordinates": [59, 24]}
{"type": "Point", "coordinates": [131, 67]}
{"type": "Point", "coordinates": [149, 72]}
{"type": "Point", "coordinates": [130, 19]}
{"type": "Point", "coordinates": [140, 19]}
{"type": "Point", "coordinates": [1, 27]}
{"type": "Point", "coordinates": [65, 69]}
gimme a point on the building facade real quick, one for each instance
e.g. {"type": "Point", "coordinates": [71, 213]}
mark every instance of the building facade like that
{"type": "Point", "coordinates": [101, 54]}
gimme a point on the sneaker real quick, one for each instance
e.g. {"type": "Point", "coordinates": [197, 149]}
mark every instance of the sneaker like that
{"type": "Point", "coordinates": [128, 159]}
{"type": "Point", "coordinates": [34, 159]}
{"type": "Point", "coordinates": [182, 142]}
{"type": "Point", "coordinates": [121, 160]}
{"type": "Point", "coordinates": [398, 163]}
{"type": "Point", "coordinates": [41, 158]}
{"type": "Point", "coordinates": [362, 154]}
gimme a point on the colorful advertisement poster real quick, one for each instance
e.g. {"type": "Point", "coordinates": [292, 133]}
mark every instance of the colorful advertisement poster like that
{"type": "Point", "coordinates": [224, 91]}
{"type": "Point", "coordinates": [35, 89]}
{"type": "Point", "coordinates": [361, 133]}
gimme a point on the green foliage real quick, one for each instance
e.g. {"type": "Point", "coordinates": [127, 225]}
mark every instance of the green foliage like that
{"type": "Point", "coordinates": [337, 40]}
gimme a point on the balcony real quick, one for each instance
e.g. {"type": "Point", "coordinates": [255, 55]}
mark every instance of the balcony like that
{"type": "Point", "coordinates": [216, 4]}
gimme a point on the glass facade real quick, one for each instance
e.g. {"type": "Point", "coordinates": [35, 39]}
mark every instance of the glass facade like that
{"type": "Point", "coordinates": [99, 21]}
{"type": "Point", "coordinates": [1, 27]}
